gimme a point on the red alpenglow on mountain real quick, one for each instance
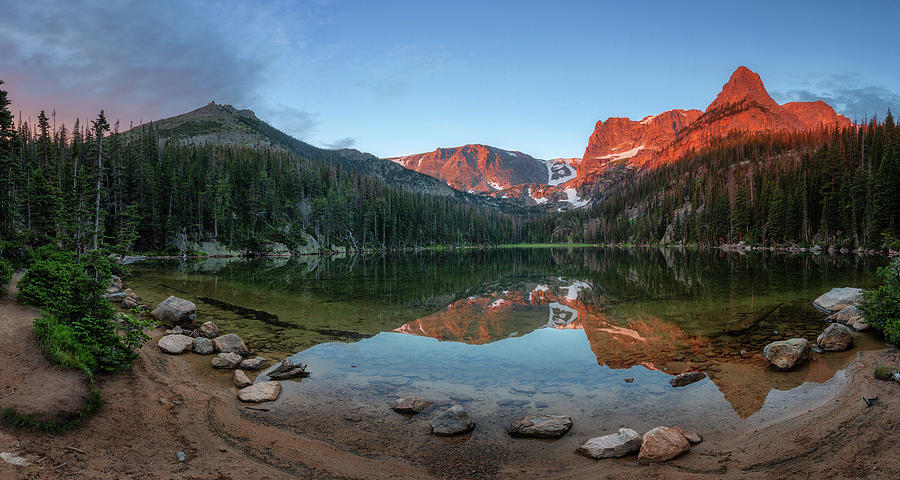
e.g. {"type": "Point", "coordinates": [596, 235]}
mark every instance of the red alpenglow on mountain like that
{"type": "Point", "coordinates": [743, 105]}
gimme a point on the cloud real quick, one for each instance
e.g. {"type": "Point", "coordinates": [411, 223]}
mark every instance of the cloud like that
{"type": "Point", "coordinates": [848, 95]}
{"type": "Point", "coordinates": [291, 120]}
{"type": "Point", "coordinates": [134, 58]}
{"type": "Point", "coordinates": [340, 143]}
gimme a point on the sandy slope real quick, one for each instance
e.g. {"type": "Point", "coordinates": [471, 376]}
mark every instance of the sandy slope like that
{"type": "Point", "coordinates": [163, 406]}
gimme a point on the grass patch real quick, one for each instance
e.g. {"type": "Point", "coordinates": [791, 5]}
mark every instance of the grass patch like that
{"type": "Point", "coordinates": [13, 419]}
{"type": "Point", "coordinates": [61, 345]}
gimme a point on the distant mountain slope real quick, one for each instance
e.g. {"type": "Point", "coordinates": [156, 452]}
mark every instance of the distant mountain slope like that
{"type": "Point", "coordinates": [226, 125]}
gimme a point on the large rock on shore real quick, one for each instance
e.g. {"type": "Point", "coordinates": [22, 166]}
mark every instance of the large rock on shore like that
{"type": "Point", "coordinates": [203, 346]}
{"type": "Point", "coordinates": [175, 311]}
{"type": "Point", "coordinates": [241, 380]}
{"type": "Point", "coordinates": [686, 378]}
{"type": "Point", "coordinates": [838, 299]}
{"type": "Point", "coordinates": [835, 338]}
{"type": "Point", "coordinates": [847, 316]}
{"type": "Point", "coordinates": [411, 405]}
{"type": "Point", "coordinates": [175, 344]}
{"type": "Point", "coordinates": [540, 426]}
{"type": "Point", "coordinates": [661, 444]}
{"type": "Point", "coordinates": [230, 343]}
{"type": "Point", "coordinates": [253, 363]}
{"type": "Point", "coordinates": [624, 442]}
{"type": "Point", "coordinates": [226, 360]}
{"type": "Point", "coordinates": [260, 392]}
{"type": "Point", "coordinates": [130, 300]}
{"type": "Point", "coordinates": [787, 354]}
{"type": "Point", "coordinates": [453, 421]}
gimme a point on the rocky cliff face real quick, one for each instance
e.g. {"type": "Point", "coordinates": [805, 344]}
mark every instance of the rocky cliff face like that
{"type": "Point", "coordinates": [743, 105]}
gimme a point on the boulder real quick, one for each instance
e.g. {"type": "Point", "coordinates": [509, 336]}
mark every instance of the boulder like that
{"type": "Point", "coordinates": [226, 360]}
{"type": "Point", "coordinates": [835, 338]}
{"type": "Point", "coordinates": [253, 363]}
{"type": "Point", "coordinates": [411, 405]}
{"type": "Point", "coordinates": [661, 444]}
{"type": "Point", "coordinates": [686, 378]}
{"type": "Point", "coordinates": [175, 344]}
{"type": "Point", "coordinates": [787, 354]}
{"type": "Point", "coordinates": [203, 346]}
{"type": "Point", "coordinates": [260, 392]}
{"type": "Point", "coordinates": [838, 299]}
{"type": "Point", "coordinates": [288, 368]}
{"type": "Point", "coordinates": [114, 297]}
{"type": "Point", "coordinates": [130, 300]}
{"type": "Point", "coordinates": [241, 380]}
{"type": "Point", "coordinates": [453, 421]}
{"type": "Point", "coordinates": [230, 343]}
{"type": "Point", "coordinates": [208, 330]}
{"type": "Point", "coordinates": [624, 442]}
{"type": "Point", "coordinates": [861, 325]}
{"type": "Point", "coordinates": [692, 437]}
{"type": "Point", "coordinates": [540, 426]}
{"type": "Point", "coordinates": [115, 284]}
{"type": "Point", "coordinates": [175, 311]}
{"type": "Point", "coordinates": [846, 316]}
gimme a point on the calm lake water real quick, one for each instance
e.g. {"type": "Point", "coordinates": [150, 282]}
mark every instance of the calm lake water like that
{"type": "Point", "coordinates": [591, 333]}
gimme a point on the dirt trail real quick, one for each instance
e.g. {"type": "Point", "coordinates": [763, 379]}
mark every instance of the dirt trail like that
{"type": "Point", "coordinates": [163, 406]}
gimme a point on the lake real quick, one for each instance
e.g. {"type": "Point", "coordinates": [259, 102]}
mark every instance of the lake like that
{"type": "Point", "coordinates": [593, 333]}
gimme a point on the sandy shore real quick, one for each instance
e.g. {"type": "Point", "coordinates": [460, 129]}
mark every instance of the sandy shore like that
{"type": "Point", "coordinates": [165, 405]}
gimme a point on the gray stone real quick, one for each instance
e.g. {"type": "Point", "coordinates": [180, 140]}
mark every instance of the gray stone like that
{"type": "Point", "coordinates": [175, 343]}
{"type": "Point", "coordinates": [692, 437]}
{"type": "Point", "coordinates": [203, 346]}
{"type": "Point", "coordinates": [622, 443]}
{"type": "Point", "coordinates": [180, 457]}
{"type": "Point", "coordinates": [175, 331]}
{"type": "Point", "coordinates": [861, 325]}
{"type": "Point", "coordinates": [838, 299]}
{"type": "Point", "coordinates": [241, 380]}
{"type": "Point", "coordinates": [846, 316]}
{"type": "Point", "coordinates": [686, 378]}
{"type": "Point", "coordinates": [453, 421]}
{"type": "Point", "coordinates": [835, 338]}
{"type": "Point", "coordinates": [288, 368]}
{"type": "Point", "coordinates": [226, 360]}
{"type": "Point", "coordinates": [115, 284]}
{"type": "Point", "coordinates": [661, 444]}
{"type": "Point", "coordinates": [175, 311]}
{"type": "Point", "coordinates": [540, 426]}
{"type": "Point", "coordinates": [410, 405]}
{"type": "Point", "coordinates": [787, 354]}
{"type": "Point", "coordinates": [208, 330]}
{"type": "Point", "coordinates": [230, 343]}
{"type": "Point", "coordinates": [130, 300]}
{"type": "Point", "coordinates": [260, 392]}
{"type": "Point", "coordinates": [14, 459]}
{"type": "Point", "coordinates": [254, 363]}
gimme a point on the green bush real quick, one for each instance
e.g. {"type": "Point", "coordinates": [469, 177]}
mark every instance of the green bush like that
{"type": "Point", "coordinates": [6, 272]}
{"type": "Point", "coordinates": [881, 305]}
{"type": "Point", "coordinates": [70, 291]}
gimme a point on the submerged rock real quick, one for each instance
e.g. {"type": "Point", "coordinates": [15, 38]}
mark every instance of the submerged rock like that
{"type": "Point", "coordinates": [692, 437]}
{"type": "Point", "coordinates": [838, 299]}
{"type": "Point", "coordinates": [686, 378]}
{"type": "Point", "coordinates": [453, 421]}
{"type": "Point", "coordinates": [230, 343]}
{"type": "Point", "coordinates": [203, 346]}
{"type": "Point", "coordinates": [175, 343]}
{"type": "Point", "coordinates": [260, 392]}
{"type": "Point", "coordinates": [787, 354]}
{"type": "Point", "coordinates": [208, 330]}
{"type": "Point", "coordinates": [410, 405]}
{"type": "Point", "coordinates": [175, 311]}
{"type": "Point", "coordinates": [540, 426]}
{"type": "Point", "coordinates": [661, 444]}
{"type": "Point", "coordinates": [241, 380]}
{"type": "Point", "coordinates": [288, 368]}
{"type": "Point", "coordinates": [624, 442]}
{"type": "Point", "coordinates": [835, 338]}
{"type": "Point", "coordinates": [226, 360]}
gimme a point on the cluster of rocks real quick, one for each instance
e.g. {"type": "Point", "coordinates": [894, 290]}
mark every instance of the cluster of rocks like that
{"type": "Point", "coordinates": [117, 293]}
{"type": "Point", "coordinates": [657, 445]}
{"type": "Point", "coordinates": [842, 306]}
{"type": "Point", "coordinates": [231, 351]}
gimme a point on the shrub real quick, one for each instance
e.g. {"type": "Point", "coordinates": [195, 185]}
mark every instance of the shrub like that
{"type": "Point", "coordinates": [60, 343]}
{"type": "Point", "coordinates": [881, 305]}
{"type": "Point", "coordinates": [6, 272]}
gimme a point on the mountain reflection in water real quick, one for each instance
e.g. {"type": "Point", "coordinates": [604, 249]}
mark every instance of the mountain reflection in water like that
{"type": "Point", "coordinates": [665, 310]}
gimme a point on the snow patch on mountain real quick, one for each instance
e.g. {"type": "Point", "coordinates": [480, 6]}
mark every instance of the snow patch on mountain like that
{"type": "Point", "coordinates": [573, 198]}
{"type": "Point", "coordinates": [561, 315]}
{"type": "Point", "coordinates": [622, 156]}
{"type": "Point", "coordinates": [558, 172]}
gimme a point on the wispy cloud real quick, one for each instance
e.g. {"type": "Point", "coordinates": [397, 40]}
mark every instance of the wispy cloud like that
{"type": "Point", "coordinates": [294, 121]}
{"type": "Point", "coordinates": [340, 143]}
{"type": "Point", "coordinates": [848, 94]}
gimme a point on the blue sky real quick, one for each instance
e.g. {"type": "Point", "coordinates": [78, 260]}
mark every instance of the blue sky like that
{"type": "Point", "coordinates": [395, 78]}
